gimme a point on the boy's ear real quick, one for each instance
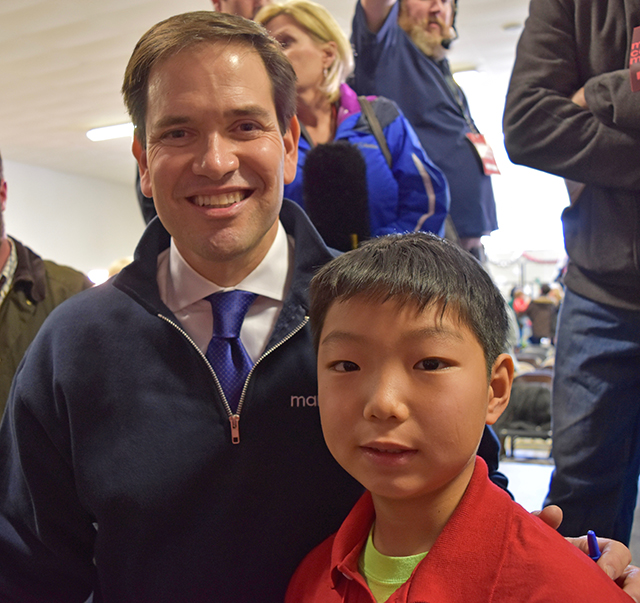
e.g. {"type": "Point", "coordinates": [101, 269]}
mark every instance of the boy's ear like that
{"type": "Point", "coordinates": [499, 387]}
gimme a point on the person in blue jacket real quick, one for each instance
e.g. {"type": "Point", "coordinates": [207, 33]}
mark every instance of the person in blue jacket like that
{"type": "Point", "coordinates": [406, 191]}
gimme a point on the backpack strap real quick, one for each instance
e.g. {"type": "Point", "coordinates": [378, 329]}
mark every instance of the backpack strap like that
{"type": "Point", "coordinates": [376, 128]}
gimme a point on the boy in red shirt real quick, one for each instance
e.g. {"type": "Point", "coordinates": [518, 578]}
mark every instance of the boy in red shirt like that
{"type": "Point", "coordinates": [409, 331]}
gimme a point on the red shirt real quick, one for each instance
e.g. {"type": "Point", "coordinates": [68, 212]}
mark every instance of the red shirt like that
{"type": "Point", "coordinates": [490, 550]}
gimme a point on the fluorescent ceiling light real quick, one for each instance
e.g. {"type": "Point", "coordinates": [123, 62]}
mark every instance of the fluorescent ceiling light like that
{"type": "Point", "coordinates": [110, 132]}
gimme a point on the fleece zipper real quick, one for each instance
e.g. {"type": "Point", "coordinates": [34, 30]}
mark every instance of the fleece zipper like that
{"type": "Point", "coordinates": [234, 418]}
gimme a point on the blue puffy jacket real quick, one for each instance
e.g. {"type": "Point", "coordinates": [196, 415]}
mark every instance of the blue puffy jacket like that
{"type": "Point", "coordinates": [411, 195]}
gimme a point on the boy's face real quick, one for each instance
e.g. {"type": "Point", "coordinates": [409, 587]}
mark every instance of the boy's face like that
{"type": "Point", "coordinates": [404, 397]}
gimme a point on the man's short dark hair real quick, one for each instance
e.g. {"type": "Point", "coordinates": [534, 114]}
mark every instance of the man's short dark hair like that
{"type": "Point", "coordinates": [177, 33]}
{"type": "Point", "coordinates": [418, 268]}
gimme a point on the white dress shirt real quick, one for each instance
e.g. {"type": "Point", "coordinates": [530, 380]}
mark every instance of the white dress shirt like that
{"type": "Point", "coordinates": [183, 290]}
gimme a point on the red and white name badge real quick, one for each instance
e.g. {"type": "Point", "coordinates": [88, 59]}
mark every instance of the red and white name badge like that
{"type": "Point", "coordinates": [634, 61]}
{"type": "Point", "coordinates": [485, 153]}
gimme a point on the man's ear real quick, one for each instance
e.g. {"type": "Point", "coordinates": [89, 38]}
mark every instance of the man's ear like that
{"type": "Point", "coordinates": [141, 157]}
{"type": "Point", "coordinates": [3, 195]}
{"type": "Point", "coordinates": [216, 5]}
{"type": "Point", "coordinates": [290, 138]}
{"type": "Point", "coordinates": [499, 387]}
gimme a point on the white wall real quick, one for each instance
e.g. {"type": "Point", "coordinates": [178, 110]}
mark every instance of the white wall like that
{"type": "Point", "coordinates": [82, 222]}
{"type": "Point", "coordinates": [528, 246]}
{"type": "Point", "coordinates": [529, 202]}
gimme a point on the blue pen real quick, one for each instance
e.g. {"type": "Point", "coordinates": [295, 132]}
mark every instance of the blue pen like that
{"type": "Point", "coordinates": [594, 549]}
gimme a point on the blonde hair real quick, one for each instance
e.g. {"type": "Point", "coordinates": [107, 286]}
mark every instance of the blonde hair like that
{"type": "Point", "coordinates": [322, 27]}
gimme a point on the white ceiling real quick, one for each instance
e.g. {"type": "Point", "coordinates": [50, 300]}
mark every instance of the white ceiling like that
{"type": "Point", "coordinates": [62, 62]}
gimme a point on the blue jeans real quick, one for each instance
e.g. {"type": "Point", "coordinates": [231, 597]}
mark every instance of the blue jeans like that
{"type": "Point", "coordinates": [596, 418]}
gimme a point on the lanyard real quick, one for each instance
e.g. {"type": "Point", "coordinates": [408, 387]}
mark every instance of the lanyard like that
{"type": "Point", "coordinates": [456, 93]}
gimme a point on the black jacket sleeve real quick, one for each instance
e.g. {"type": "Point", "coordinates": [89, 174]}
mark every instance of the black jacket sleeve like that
{"type": "Point", "coordinates": [567, 45]}
{"type": "Point", "coordinates": [489, 450]}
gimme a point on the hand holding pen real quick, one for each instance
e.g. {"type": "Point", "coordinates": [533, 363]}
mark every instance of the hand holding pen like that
{"type": "Point", "coordinates": [615, 556]}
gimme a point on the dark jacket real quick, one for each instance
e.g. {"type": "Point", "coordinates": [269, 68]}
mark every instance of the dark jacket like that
{"type": "Point", "coordinates": [38, 287]}
{"type": "Point", "coordinates": [566, 45]}
{"type": "Point", "coordinates": [389, 64]}
{"type": "Point", "coordinates": [117, 470]}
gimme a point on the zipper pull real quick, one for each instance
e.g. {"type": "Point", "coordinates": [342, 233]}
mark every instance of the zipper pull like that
{"type": "Point", "coordinates": [234, 420]}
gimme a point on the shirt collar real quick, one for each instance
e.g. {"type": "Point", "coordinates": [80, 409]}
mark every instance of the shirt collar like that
{"type": "Point", "coordinates": [484, 515]}
{"type": "Point", "coordinates": [269, 278]}
{"type": "Point", "coordinates": [8, 271]}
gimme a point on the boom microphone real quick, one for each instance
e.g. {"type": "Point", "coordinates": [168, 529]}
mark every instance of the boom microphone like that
{"type": "Point", "coordinates": [334, 190]}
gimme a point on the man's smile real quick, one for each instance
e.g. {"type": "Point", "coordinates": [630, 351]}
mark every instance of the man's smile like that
{"type": "Point", "coordinates": [221, 200]}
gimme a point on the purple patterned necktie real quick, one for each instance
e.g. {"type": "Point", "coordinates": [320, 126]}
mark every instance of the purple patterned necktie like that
{"type": "Point", "coordinates": [226, 353]}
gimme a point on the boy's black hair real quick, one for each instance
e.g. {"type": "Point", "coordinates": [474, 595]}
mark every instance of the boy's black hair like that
{"type": "Point", "coordinates": [416, 268]}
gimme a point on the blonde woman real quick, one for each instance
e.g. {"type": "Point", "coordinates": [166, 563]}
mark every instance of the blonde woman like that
{"type": "Point", "coordinates": [406, 191]}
